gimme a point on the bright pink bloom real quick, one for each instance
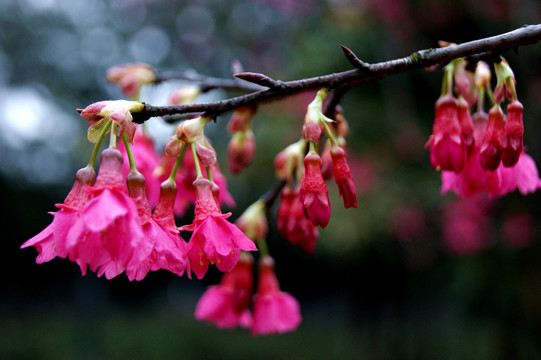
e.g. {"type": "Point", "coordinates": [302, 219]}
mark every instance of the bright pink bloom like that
{"type": "Point", "coordinates": [166, 250]}
{"type": "Point", "coordinates": [314, 194]}
{"type": "Point", "coordinates": [240, 151]}
{"type": "Point", "coordinates": [513, 133]}
{"type": "Point", "coordinates": [147, 160]}
{"type": "Point", "coordinates": [447, 146]}
{"type": "Point", "coordinates": [274, 311]}
{"type": "Point", "coordinates": [474, 178]}
{"type": "Point", "coordinates": [343, 177]}
{"type": "Point", "coordinates": [214, 239]}
{"type": "Point", "coordinates": [226, 304]}
{"type": "Point", "coordinates": [109, 228]}
{"type": "Point", "coordinates": [490, 148]}
{"type": "Point", "coordinates": [293, 224]}
{"type": "Point", "coordinates": [46, 242]}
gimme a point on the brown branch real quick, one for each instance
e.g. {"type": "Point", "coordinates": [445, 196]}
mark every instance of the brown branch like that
{"type": "Point", "coordinates": [368, 72]}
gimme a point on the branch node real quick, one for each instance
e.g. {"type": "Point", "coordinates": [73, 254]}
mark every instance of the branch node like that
{"type": "Point", "coordinates": [259, 79]}
{"type": "Point", "coordinates": [354, 60]}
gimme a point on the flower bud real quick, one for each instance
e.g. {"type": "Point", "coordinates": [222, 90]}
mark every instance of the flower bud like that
{"type": "Point", "coordinates": [513, 133]}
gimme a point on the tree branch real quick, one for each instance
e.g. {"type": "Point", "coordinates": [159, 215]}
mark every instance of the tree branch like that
{"type": "Point", "coordinates": [363, 73]}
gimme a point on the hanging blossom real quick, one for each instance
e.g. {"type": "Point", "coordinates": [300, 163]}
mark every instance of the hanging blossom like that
{"type": "Point", "coordinates": [241, 148]}
{"type": "Point", "coordinates": [69, 212]}
{"type": "Point", "coordinates": [168, 249]}
{"type": "Point", "coordinates": [131, 77]}
{"type": "Point", "coordinates": [108, 233]}
{"type": "Point", "coordinates": [214, 240]}
{"type": "Point", "coordinates": [496, 163]}
{"type": "Point", "coordinates": [226, 304]}
{"type": "Point", "coordinates": [274, 311]}
{"type": "Point", "coordinates": [147, 160]}
{"type": "Point", "coordinates": [98, 114]}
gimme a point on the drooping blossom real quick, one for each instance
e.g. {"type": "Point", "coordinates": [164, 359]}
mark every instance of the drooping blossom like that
{"type": "Point", "coordinates": [343, 177]}
{"type": "Point", "coordinates": [314, 194]}
{"type": "Point", "coordinates": [167, 249]}
{"type": "Point", "coordinates": [214, 240]}
{"type": "Point", "coordinates": [474, 178]}
{"type": "Point", "coordinates": [226, 304]}
{"type": "Point", "coordinates": [512, 134]}
{"type": "Point", "coordinates": [98, 114]}
{"type": "Point", "coordinates": [46, 242]}
{"type": "Point", "coordinates": [240, 151]}
{"type": "Point", "coordinates": [293, 224]}
{"type": "Point", "coordinates": [147, 160]}
{"type": "Point", "coordinates": [446, 144]}
{"type": "Point", "coordinates": [274, 311]}
{"type": "Point", "coordinates": [131, 77]}
{"type": "Point", "coordinates": [490, 147]}
{"type": "Point", "coordinates": [108, 232]}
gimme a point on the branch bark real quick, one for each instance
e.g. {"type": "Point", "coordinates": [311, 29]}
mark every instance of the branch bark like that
{"type": "Point", "coordinates": [363, 73]}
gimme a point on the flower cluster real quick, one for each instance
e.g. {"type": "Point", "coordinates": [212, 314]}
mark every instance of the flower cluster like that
{"type": "Point", "coordinates": [123, 220]}
{"type": "Point", "coordinates": [227, 305]}
{"type": "Point", "coordinates": [479, 152]}
{"type": "Point", "coordinates": [107, 222]}
{"type": "Point", "coordinates": [305, 202]}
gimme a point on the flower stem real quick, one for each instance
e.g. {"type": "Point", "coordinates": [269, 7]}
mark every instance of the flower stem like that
{"type": "Point", "coordinates": [131, 160]}
{"type": "Point", "coordinates": [177, 162]}
{"type": "Point", "coordinates": [112, 139]}
{"type": "Point", "coordinates": [95, 150]}
{"type": "Point", "coordinates": [196, 162]}
{"type": "Point", "coordinates": [328, 130]}
{"type": "Point", "coordinates": [209, 174]}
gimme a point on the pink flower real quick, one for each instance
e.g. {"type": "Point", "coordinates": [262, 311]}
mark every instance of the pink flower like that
{"type": "Point", "coordinates": [109, 228]}
{"type": "Point", "coordinates": [240, 151]}
{"type": "Point", "coordinates": [314, 195]}
{"type": "Point", "coordinates": [166, 250]}
{"type": "Point", "coordinates": [214, 239]}
{"type": "Point", "coordinates": [46, 242]}
{"type": "Point", "coordinates": [513, 133]}
{"type": "Point", "coordinates": [447, 146]}
{"type": "Point", "coordinates": [274, 311]}
{"type": "Point", "coordinates": [131, 77]}
{"type": "Point", "coordinates": [474, 178]}
{"type": "Point", "coordinates": [226, 304]}
{"type": "Point", "coordinates": [293, 224]}
{"type": "Point", "coordinates": [490, 149]}
{"type": "Point", "coordinates": [98, 114]}
{"type": "Point", "coordinates": [147, 160]}
{"type": "Point", "coordinates": [343, 177]}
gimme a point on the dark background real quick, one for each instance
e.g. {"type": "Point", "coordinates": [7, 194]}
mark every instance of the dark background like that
{"type": "Point", "coordinates": [401, 277]}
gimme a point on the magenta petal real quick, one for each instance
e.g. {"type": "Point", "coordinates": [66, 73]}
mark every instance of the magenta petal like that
{"type": "Point", "coordinates": [105, 208]}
